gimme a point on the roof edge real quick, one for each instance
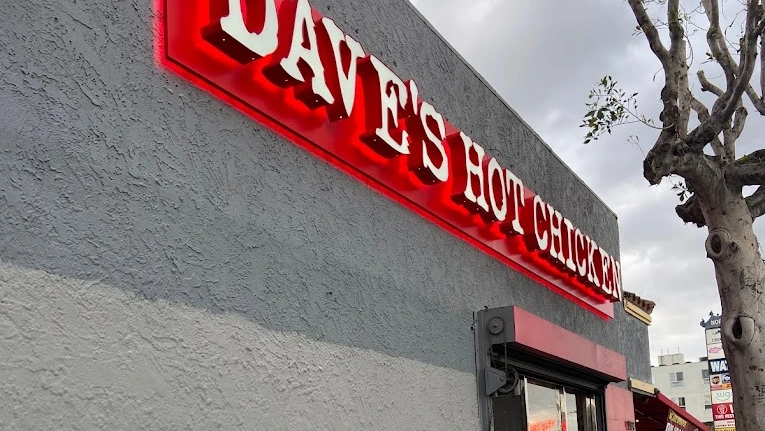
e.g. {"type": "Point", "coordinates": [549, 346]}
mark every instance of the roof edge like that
{"type": "Point", "coordinates": [502, 99]}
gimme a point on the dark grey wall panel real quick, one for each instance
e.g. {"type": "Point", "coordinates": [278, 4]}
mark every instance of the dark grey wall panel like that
{"type": "Point", "coordinates": [113, 169]}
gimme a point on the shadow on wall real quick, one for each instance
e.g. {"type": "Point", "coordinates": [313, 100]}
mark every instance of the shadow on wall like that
{"type": "Point", "coordinates": [86, 355]}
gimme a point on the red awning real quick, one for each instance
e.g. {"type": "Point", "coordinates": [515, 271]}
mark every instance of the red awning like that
{"type": "Point", "coordinates": [652, 413]}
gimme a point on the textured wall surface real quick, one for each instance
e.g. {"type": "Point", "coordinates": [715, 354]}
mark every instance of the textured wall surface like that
{"type": "Point", "coordinates": [150, 233]}
{"type": "Point", "coordinates": [86, 355]}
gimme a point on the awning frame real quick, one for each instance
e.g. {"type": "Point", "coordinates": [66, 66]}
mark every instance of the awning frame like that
{"type": "Point", "coordinates": [649, 391]}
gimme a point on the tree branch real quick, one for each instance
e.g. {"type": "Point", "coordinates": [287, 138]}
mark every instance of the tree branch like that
{"type": "Point", "coordinates": [717, 43]}
{"type": "Point", "coordinates": [675, 157]}
{"type": "Point", "coordinates": [700, 109]}
{"type": "Point", "coordinates": [748, 170]}
{"type": "Point", "coordinates": [762, 68]}
{"type": "Point", "coordinates": [676, 95]}
{"type": "Point", "coordinates": [757, 101]}
{"type": "Point", "coordinates": [724, 107]}
{"type": "Point", "coordinates": [748, 174]}
{"type": "Point", "coordinates": [645, 23]}
{"type": "Point", "coordinates": [754, 28]}
{"type": "Point", "coordinates": [690, 212]}
{"type": "Point", "coordinates": [703, 114]}
{"type": "Point", "coordinates": [685, 97]}
{"type": "Point", "coordinates": [676, 30]}
{"type": "Point", "coordinates": [732, 133]}
{"type": "Point", "coordinates": [669, 153]}
{"type": "Point", "coordinates": [708, 86]}
{"type": "Point", "coordinates": [756, 202]}
{"type": "Point", "coordinates": [676, 151]}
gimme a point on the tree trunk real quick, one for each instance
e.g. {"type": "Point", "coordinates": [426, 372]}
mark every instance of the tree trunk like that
{"type": "Point", "coordinates": [732, 246]}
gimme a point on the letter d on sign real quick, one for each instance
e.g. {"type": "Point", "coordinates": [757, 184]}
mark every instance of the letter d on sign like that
{"type": "Point", "coordinates": [231, 35]}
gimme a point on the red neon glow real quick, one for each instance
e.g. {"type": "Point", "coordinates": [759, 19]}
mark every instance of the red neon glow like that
{"type": "Point", "coordinates": [382, 160]}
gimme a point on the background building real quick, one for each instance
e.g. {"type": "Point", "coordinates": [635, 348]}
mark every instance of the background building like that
{"type": "Point", "coordinates": [686, 383]}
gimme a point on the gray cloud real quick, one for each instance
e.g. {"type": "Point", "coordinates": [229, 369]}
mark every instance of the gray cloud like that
{"type": "Point", "coordinates": [543, 57]}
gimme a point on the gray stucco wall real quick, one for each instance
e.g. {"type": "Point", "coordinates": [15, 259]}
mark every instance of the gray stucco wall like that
{"type": "Point", "coordinates": [139, 215]}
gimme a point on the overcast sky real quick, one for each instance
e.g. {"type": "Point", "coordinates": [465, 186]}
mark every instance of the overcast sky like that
{"type": "Point", "coordinates": [543, 57]}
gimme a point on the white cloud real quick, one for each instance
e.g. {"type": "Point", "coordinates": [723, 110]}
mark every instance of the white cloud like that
{"type": "Point", "coordinates": [543, 58]}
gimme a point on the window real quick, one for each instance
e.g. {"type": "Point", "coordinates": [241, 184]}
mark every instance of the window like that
{"type": "Point", "coordinates": [545, 406]}
{"type": "Point", "coordinates": [548, 396]}
{"type": "Point", "coordinates": [520, 390]}
{"type": "Point", "coordinates": [676, 379]}
{"type": "Point", "coordinates": [708, 401]}
{"type": "Point", "coordinates": [705, 376]}
{"type": "Point", "coordinates": [680, 401]}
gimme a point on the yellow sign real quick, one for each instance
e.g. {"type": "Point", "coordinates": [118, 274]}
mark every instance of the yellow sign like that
{"type": "Point", "coordinates": [675, 419]}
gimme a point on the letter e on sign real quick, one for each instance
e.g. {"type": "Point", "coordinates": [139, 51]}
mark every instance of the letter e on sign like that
{"type": "Point", "coordinates": [387, 98]}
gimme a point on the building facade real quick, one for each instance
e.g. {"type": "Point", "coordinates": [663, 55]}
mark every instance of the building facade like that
{"type": "Point", "coordinates": [224, 218]}
{"type": "Point", "coordinates": [686, 383]}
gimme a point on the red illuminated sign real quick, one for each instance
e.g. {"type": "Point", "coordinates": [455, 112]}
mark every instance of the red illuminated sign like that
{"type": "Point", "coordinates": [287, 66]}
{"type": "Point", "coordinates": [723, 411]}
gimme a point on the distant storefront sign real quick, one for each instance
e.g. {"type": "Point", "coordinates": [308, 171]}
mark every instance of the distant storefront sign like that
{"type": "Point", "coordinates": [715, 351]}
{"type": "Point", "coordinates": [722, 396]}
{"type": "Point", "coordinates": [723, 415]}
{"type": "Point", "coordinates": [713, 322]}
{"type": "Point", "coordinates": [714, 336]}
{"type": "Point", "coordinates": [719, 382]}
{"type": "Point", "coordinates": [675, 422]}
{"type": "Point", "coordinates": [718, 366]}
{"type": "Point", "coordinates": [719, 377]}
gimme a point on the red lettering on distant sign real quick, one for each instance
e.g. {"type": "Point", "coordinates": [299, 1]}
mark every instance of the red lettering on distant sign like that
{"type": "Point", "coordinates": [286, 65]}
{"type": "Point", "coordinates": [723, 411]}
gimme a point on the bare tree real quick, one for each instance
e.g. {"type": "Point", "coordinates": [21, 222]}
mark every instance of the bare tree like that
{"type": "Point", "coordinates": [702, 151]}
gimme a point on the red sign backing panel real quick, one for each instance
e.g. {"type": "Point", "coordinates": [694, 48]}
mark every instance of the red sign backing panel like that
{"type": "Point", "coordinates": [195, 47]}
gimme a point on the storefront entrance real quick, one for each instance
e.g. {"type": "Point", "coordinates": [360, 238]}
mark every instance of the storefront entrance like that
{"type": "Point", "coordinates": [536, 376]}
{"type": "Point", "coordinates": [545, 406]}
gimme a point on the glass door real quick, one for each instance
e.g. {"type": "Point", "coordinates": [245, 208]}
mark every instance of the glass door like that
{"type": "Point", "coordinates": [544, 406]}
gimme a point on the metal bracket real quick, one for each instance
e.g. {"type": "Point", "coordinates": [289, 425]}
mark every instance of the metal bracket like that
{"type": "Point", "coordinates": [494, 380]}
{"type": "Point", "coordinates": [490, 327]}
